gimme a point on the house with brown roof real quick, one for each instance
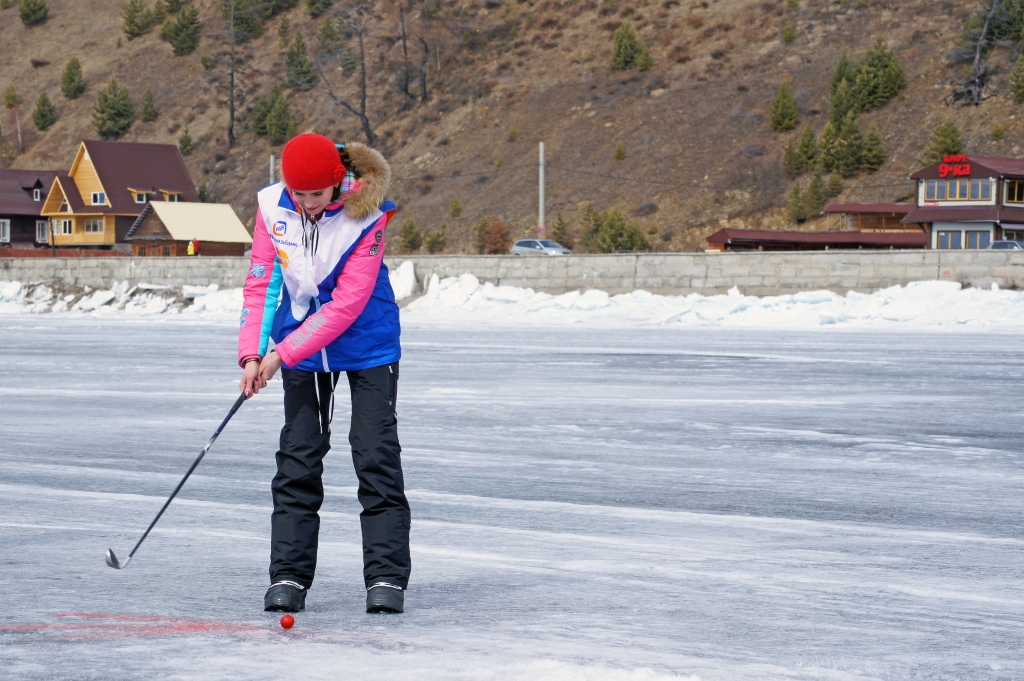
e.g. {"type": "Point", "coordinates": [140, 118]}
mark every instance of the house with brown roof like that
{"type": "Point", "coordinates": [21, 201]}
{"type": "Point", "coordinates": [165, 229]}
{"type": "Point", "coordinates": [109, 184]}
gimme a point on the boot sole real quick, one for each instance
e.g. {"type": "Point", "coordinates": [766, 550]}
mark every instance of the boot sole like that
{"type": "Point", "coordinates": [385, 599]}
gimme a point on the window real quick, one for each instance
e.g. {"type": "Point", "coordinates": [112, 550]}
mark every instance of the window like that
{"type": "Point", "coordinates": [94, 226]}
{"type": "Point", "coordinates": [5, 231]}
{"type": "Point", "coordinates": [976, 240]}
{"type": "Point", "coordinates": [62, 227]}
{"type": "Point", "coordinates": [165, 251]}
{"type": "Point", "coordinates": [142, 250]}
{"type": "Point", "coordinates": [37, 194]}
{"type": "Point", "coordinates": [981, 190]}
{"type": "Point", "coordinates": [174, 198]}
{"type": "Point", "coordinates": [141, 197]}
{"type": "Point", "coordinates": [950, 240]}
{"type": "Point", "coordinates": [1013, 235]}
{"type": "Point", "coordinates": [1015, 191]}
{"type": "Point", "coordinates": [959, 190]}
{"type": "Point", "coordinates": [64, 207]}
{"type": "Point", "coordinates": [42, 231]}
{"type": "Point", "coordinates": [98, 198]}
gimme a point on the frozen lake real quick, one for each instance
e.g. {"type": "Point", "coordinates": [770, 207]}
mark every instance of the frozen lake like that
{"type": "Point", "coordinates": [600, 505]}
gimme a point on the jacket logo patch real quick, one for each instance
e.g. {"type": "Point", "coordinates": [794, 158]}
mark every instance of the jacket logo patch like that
{"type": "Point", "coordinates": [245, 312]}
{"type": "Point", "coordinates": [282, 258]}
{"type": "Point", "coordinates": [258, 271]}
{"type": "Point", "coordinates": [280, 228]}
{"type": "Point", "coordinates": [304, 332]}
{"type": "Point", "coordinates": [377, 237]}
{"type": "Point", "coordinates": [374, 249]}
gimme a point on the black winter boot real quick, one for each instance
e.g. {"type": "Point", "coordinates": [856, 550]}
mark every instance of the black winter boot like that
{"type": "Point", "coordinates": [285, 596]}
{"type": "Point", "coordinates": [384, 597]}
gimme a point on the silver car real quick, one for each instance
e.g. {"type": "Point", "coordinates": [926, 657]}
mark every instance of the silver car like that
{"type": "Point", "coordinates": [1007, 245]}
{"type": "Point", "coordinates": [538, 247]}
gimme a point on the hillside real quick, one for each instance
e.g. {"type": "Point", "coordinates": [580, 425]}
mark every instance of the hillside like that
{"type": "Point", "coordinates": [501, 76]}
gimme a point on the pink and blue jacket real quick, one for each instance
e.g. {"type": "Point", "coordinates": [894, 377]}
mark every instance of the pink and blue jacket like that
{"type": "Point", "coordinates": [321, 291]}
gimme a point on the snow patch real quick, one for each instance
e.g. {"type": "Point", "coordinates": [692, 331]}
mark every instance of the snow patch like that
{"type": "Point", "coordinates": [403, 280]}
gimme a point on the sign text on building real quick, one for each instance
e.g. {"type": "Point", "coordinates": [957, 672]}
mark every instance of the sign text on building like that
{"type": "Point", "coordinates": [957, 165]}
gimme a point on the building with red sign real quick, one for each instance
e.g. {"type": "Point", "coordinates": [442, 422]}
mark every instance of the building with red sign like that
{"type": "Point", "coordinates": [967, 202]}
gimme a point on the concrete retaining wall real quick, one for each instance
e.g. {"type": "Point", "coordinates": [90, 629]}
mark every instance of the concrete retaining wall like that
{"type": "Point", "coordinates": [676, 273]}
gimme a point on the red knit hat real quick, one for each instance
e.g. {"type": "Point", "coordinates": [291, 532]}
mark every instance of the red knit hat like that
{"type": "Point", "coordinates": [310, 162]}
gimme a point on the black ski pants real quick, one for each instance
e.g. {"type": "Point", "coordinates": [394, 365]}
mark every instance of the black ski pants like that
{"type": "Point", "coordinates": [298, 487]}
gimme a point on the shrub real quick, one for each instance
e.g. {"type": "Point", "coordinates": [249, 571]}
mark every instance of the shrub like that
{"type": "Point", "coordinates": [610, 232]}
{"type": "Point", "coordinates": [280, 124]}
{"type": "Point", "coordinates": [997, 132]}
{"type": "Point", "coordinates": [513, 134]}
{"type": "Point", "coordinates": [316, 8]}
{"type": "Point", "coordinates": [205, 196]}
{"type": "Point", "coordinates": [260, 111]}
{"type": "Point", "coordinates": [185, 143]}
{"type": "Point", "coordinates": [492, 236]}
{"type": "Point", "coordinates": [785, 113]}
{"type": "Point", "coordinates": [436, 241]}
{"type": "Point", "coordinates": [149, 111]}
{"type": "Point", "coordinates": [207, 62]}
{"type": "Point", "coordinates": [456, 209]}
{"type": "Point", "coordinates": [33, 12]}
{"type": "Point", "coordinates": [7, 4]}
{"type": "Point", "coordinates": [874, 150]}
{"type": "Point", "coordinates": [183, 35]}
{"type": "Point", "coordinates": [409, 237]}
{"type": "Point", "coordinates": [1017, 82]}
{"type": "Point", "coordinates": [11, 98]}
{"type": "Point", "coordinates": [620, 152]}
{"type": "Point", "coordinates": [788, 32]}
{"type": "Point", "coordinates": [136, 19]}
{"type": "Point", "coordinates": [113, 113]}
{"type": "Point", "coordinates": [945, 140]}
{"type": "Point", "coordinates": [71, 83]}
{"type": "Point", "coordinates": [45, 113]}
{"type": "Point", "coordinates": [300, 73]}
{"type": "Point", "coordinates": [628, 51]}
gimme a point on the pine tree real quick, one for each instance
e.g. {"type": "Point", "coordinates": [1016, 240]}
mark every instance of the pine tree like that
{"type": "Point", "coordinates": [628, 50]}
{"type": "Point", "coordinates": [456, 208]}
{"type": "Point", "coordinates": [33, 12]}
{"type": "Point", "coordinates": [835, 185]}
{"type": "Point", "coordinates": [45, 113]}
{"type": "Point", "coordinates": [945, 140]}
{"type": "Point", "coordinates": [874, 150]}
{"type": "Point", "coordinates": [879, 77]}
{"type": "Point", "coordinates": [71, 82]}
{"type": "Point", "coordinates": [205, 195]}
{"type": "Point", "coordinates": [793, 165]}
{"type": "Point", "coordinates": [850, 150]}
{"type": "Point", "coordinates": [316, 8]}
{"type": "Point", "coordinates": [300, 73]}
{"type": "Point", "coordinates": [149, 111]}
{"type": "Point", "coordinates": [280, 124]}
{"type": "Point", "coordinates": [795, 208]}
{"type": "Point", "coordinates": [409, 237]}
{"type": "Point", "coordinates": [828, 148]}
{"type": "Point", "coordinates": [559, 231]}
{"type": "Point", "coordinates": [808, 147]}
{"type": "Point", "coordinates": [788, 32]}
{"type": "Point", "coordinates": [113, 113]}
{"type": "Point", "coordinates": [262, 109]}
{"type": "Point", "coordinates": [284, 33]}
{"type": "Point", "coordinates": [185, 143]}
{"type": "Point", "coordinates": [1017, 82]}
{"type": "Point", "coordinates": [136, 19]}
{"type": "Point", "coordinates": [183, 35]}
{"type": "Point", "coordinates": [844, 70]}
{"type": "Point", "coordinates": [785, 113]}
{"type": "Point", "coordinates": [842, 103]}
{"type": "Point", "coordinates": [327, 38]}
{"type": "Point", "coordinates": [816, 197]}
{"type": "Point", "coordinates": [436, 240]}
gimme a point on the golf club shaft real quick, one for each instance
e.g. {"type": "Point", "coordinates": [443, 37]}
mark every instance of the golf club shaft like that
{"type": "Point", "coordinates": [234, 408]}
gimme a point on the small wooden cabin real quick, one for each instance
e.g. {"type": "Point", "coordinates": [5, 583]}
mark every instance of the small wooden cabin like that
{"type": "Point", "coordinates": [164, 229]}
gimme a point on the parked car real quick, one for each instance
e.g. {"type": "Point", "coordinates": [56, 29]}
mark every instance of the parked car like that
{"type": "Point", "coordinates": [1007, 245]}
{"type": "Point", "coordinates": [539, 247]}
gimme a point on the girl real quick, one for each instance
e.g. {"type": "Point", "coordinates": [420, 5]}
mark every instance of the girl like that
{"type": "Point", "coordinates": [318, 287]}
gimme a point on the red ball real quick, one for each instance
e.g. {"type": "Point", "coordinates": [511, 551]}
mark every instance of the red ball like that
{"type": "Point", "coordinates": [287, 621]}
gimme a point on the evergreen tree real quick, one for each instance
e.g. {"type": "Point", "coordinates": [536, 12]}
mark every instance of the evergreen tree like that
{"type": "Point", "coordinates": [874, 150]}
{"type": "Point", "coordinates": [835, 185]}
{"type": "Point", "coordinates": [262, 109]}
{"type": "Point", "coordinates": [793, 164]}
{"type": "Point", "coordinates": [816, 197]}
{"type": "Point", "coordinates": [113, 113]}
{"type": "Point", "coordinates": [300, 73]}
{"type": "Point", "coordinates": [11, 98]}
{"type": "Point", "coordinates": [45, 113]}
{"type": "Point", "coordinates": [149, 111]}
{"type": "Point", "coordinates": [842, 103]}
{"type": "Point", "coordinates": [628, 51]}
{"type": "Point", "coordinates": [185, 143]}
{"type": "Point", "coordinates": [844, 70]}
{"type": "Point", "coordinates": [33, 12]}
{"type": "Point", "coordinates": [183, 35]}
{"type": "Point", "coordinates": [808, 147]}
{"type": "Point", "coordinates": [205, 195]}
{"type": "Point", "coordinates": [850, 150]}
{"type": "Point", "coordinates": [280, 124]}
{"type": "Point", "coordinates": [785, 113]}
{"type": "Point", "coordinates": [136, 19]}
{"type": "Point", "coordinates": [559, 231]}
{"type": "Point", "coordinates": [71, 82]}
{"type": "Point", "coordinates": [879, 77]}
{"type": "Point", "coordinates": [795, 208]}
{"type": "Point", "coordinates": [327, 38]}
{"type": "Point", "coordinates": [945, 140]}
{"type": "Point", "coordinates": [284, 33]}
{"type": "Point", "coordinates": [409, 237]}
{"type": "Point", "coordinates": [316, 8]}
{"type": "Point", "coordinates": [828, 149]}
{"type": "Point", "coordinates": [1017, 82]}
{"type": "Point", "coordinates": [436, 240]}
{"type": "Point", "coordinates": [788, 32]}
{"type": "Point", "coordinates": [456, 208]}
{"type": "Point", "coordinates": [616, 235]}
{"type": "Point", "coordinates": [248, 17]}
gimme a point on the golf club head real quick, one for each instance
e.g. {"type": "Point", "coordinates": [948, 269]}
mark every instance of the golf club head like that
{"type": "Point", "coordinates": [113, 562]}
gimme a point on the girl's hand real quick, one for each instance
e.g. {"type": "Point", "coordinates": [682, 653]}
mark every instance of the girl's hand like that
{"type": "Point", "coordinates": [268, 367]}
{"type": "Point", "coordinates": [250, 383]}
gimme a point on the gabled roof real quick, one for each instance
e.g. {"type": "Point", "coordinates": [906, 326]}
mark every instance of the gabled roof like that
{"type": "Point", "coordinates": [203, 221]}
{"type": "Point", "coordinates": [966, 214]}
{"type": "Point", "coordinates": [981, 166]}
{"type": "Point", "coordinates": [121, 165]}
{"type": "Point", "coordinates": [16, 190]}
{"type": "Point", "coordinates": [848, 239]}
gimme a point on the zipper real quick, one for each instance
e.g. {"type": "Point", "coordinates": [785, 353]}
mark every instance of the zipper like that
{"type": "Point", "coordinates": [323, 350]}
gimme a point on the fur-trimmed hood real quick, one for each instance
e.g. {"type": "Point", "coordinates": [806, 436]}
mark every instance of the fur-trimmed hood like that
{"type": "Point", "coordinates": [374, 176]}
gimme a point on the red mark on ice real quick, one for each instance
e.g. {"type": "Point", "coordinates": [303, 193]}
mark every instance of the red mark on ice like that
{"type": "Point", "coordinates": [77, 625]}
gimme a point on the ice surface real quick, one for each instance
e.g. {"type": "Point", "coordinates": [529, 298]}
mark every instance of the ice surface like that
{"type": "Point", "coordinates": [600, 505]}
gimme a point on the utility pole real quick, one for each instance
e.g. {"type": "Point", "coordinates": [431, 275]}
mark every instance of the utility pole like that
{"type": "Point", "coordinates": [542, 231]}
{"type": "Point", "coordinates": [231, 81]}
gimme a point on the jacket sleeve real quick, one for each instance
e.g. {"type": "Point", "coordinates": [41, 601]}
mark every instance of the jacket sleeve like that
{"type": "Point", "coordinates": [351, 293]}
{"type": "Point", "coordinates": [260, 295]}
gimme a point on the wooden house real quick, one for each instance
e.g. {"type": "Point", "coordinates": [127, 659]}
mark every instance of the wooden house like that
{"type": "Point", "coordinates": [109, 184]}
{"type": "Point", "coordinates": [21, 203]}
{"type": "Point", "coordinates": [165, 229]}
